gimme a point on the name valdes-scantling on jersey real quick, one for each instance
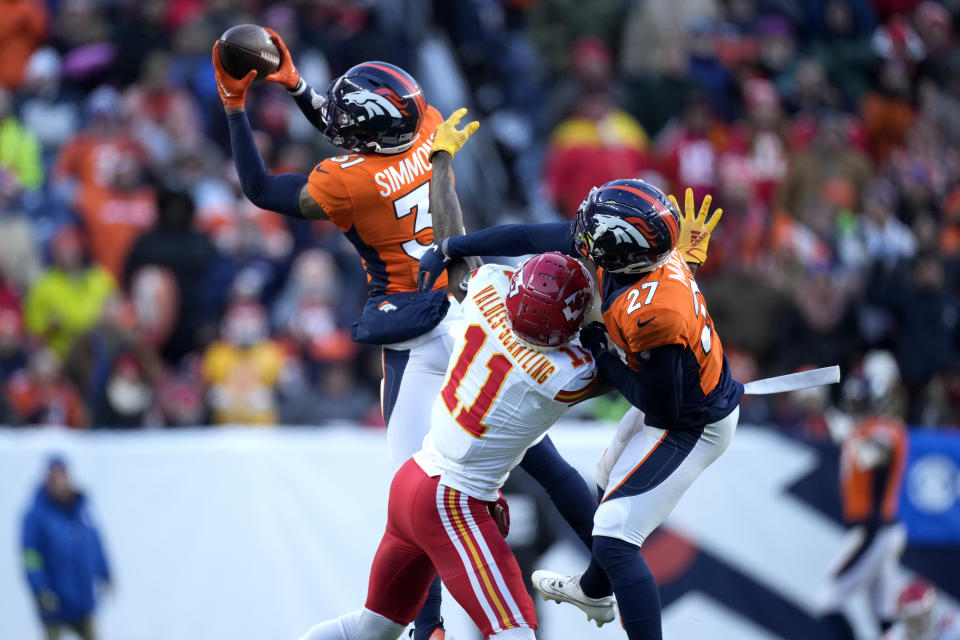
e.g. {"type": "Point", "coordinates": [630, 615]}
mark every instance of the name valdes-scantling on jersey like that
{"type": "Point", "coordinates": [500, 395]}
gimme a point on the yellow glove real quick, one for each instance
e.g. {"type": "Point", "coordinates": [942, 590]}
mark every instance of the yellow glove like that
{"type": "Point", "coordinates": [695, 229]}
{"type": "Point", "coordinates": [451, 139]}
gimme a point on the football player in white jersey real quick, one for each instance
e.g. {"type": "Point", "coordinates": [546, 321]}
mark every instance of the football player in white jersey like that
{"type": "Point", "coordinates": [516, 368]}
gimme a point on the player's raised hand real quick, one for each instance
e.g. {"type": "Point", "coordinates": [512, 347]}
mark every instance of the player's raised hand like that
{"type": "Point", "coordinates": [695, 229]}
{"type": "Point", "coordinates": [451, 139]}
{"type": "Point", "coordinates": [287, 74]}
{"type": "Point", "coordinates": [593, 337]}
{"type": "Point", "coordinates": [432, 265]}
{"type": "Point", "coordinates": [232, 91]}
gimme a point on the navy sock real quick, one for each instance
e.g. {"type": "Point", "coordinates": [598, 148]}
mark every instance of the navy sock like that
{"type": "Point", "coordinates": [594, 581]}
{"type": "Point", "coordinates": [565, 486]}
{"type": "Point", "coordinates": [429, 620]}
{"type": "Point", "coordinates": [637, 594]}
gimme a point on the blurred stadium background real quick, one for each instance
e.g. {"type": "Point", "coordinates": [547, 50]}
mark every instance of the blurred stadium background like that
{"type": "Point", "coordinates": [150, 316]}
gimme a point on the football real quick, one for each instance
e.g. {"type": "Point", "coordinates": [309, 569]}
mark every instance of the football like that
{"type": "Point", "coordinates": [245, 47]}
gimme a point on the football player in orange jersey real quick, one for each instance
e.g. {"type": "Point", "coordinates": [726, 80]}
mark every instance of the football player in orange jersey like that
{"type": "Point", "coordinates": [379, 195]}
{"type": "Point", "coordinates": [873, 458]}
{"type": "Point", "coordinates": [662, 354]}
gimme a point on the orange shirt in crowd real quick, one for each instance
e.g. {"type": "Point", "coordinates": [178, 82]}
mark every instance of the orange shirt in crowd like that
{"type": "Point", "coordinates": [23, 27]}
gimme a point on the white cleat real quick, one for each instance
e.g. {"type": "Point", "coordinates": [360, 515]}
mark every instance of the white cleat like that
{"type": "Point", "coordinates": [561, 588]}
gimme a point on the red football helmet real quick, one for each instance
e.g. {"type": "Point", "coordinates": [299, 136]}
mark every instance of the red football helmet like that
{"type": "Point", "coordinates": [548, 299]}
{"type": "Point", "coordinates": [915, 606]}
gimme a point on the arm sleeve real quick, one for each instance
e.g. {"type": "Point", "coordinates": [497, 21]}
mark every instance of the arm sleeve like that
{"type": "Point", "coordinates": [280, 193]}
{"type": "Point", "coordinates": [33, 563]}
{"type": "Point", "coordinates": [514, 240]}
{"type": "Point", "coordinates": [656, 387]}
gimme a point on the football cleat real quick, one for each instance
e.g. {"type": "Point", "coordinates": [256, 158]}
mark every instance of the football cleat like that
{"type": "Point", "coordinates": [560, 588]}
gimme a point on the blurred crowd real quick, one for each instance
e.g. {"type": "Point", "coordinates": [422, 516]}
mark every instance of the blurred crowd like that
{"type": "Point", "coordinates": [138, 287]}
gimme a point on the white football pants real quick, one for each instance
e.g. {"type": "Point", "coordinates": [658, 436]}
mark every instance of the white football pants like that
{"type": "Point", "coordinates": [868, 563]}
{"type": "Point", "coordinates": [651, 469]}
{"type": "Point", "coordinates": [413, 376]}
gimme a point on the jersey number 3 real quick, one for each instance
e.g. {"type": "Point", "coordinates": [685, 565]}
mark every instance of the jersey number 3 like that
{"type": "Point", "coordinates": [498, 366]}
{"type": "Point", "coordinates": [416, 202]}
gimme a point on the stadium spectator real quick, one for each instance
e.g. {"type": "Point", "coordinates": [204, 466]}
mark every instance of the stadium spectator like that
{"type": "Point", "coordinates": [40, 394]}
{"type": "Point", "coordinates": [830, 163]}
{"type": "Point", "coordinates": [19, 150]}
{"type": "Point", "coordinates": [242, 369]}
{"type": "Point", "coordinates": [927, 322]}
{"type": "Point", "coordinates": [12, 338]}
{"type": "Point", "coordinates": [597, 143]}
{"type": "Point", "coordinates": [23, 27]}
{"type": "Point", "coordinates": [67, 299]}
{"type": "Point", "coordinates": [115, 368]}
{"type": "Point", "coordinates": [47, 109]}
{"type": "Point", "coordinates": [174, 244]}
{"type": "Point", "coordinates": [63, 556]}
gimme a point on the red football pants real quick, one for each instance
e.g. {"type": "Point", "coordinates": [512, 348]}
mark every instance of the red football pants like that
{"type": "Point", "coordinates": [435, 529]}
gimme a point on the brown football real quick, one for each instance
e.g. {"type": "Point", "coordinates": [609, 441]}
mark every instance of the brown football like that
{"type": "Point", "coordinates": [245, 47]}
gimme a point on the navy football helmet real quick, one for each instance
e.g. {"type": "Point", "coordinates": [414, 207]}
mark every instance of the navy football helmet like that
{"type": "Point", "coordinates": [626, 226]}
{"type": "Point", "coordinates": [373, 107]}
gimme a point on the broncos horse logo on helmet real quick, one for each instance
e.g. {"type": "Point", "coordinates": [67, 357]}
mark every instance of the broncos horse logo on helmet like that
{"type": "Point", "coordinates": [373, 107]}
{"type": "Point", "coordinates": [626, 226]}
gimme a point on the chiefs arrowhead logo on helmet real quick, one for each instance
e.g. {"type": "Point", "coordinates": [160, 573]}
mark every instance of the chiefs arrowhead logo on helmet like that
{"type": "Point", "coordinates": [548, 298]}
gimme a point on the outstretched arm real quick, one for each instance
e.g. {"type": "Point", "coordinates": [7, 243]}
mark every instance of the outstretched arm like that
{"type": "Point", "coordinates": [285, 193]}
{"type": "Point", "coordinates": [306, 97]}
{"type": "Point", "coordinates": [444, 204]}
{"type": "Point", "coordinates": [505, 240]}
{"type": "Point", "coordinates": [448, 219]}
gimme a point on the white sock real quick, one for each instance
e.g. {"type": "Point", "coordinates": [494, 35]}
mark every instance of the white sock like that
{"type": "Point", "coordinates": [359, 625]}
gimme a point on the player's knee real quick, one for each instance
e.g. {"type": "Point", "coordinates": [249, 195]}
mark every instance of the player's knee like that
{"type": "Point", "coordinates": [612, 520]}
{"type": "Point", "coordinates": [517, 633]}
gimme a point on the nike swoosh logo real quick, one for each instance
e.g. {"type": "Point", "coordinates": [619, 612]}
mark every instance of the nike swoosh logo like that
{"type": "Point", "coordinates": [225, 92]}
{"type": "Point", "coordinates": [319, 170]}
{"type": "Point", "coordinates": [645, 322]}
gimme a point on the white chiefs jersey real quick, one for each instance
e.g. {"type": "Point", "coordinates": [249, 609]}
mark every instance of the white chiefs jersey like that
{"type": "Point", "coordinates": [499, 397]}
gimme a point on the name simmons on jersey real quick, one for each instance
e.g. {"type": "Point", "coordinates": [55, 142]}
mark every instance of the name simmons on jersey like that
{"type": "Point", "coordinates": [494, 311]}
{"type": "Point", "coordinates": [414, 164]}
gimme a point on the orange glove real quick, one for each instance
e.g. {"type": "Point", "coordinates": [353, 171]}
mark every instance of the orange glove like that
{"type": "Point", "coordinates": [232, 91]}
{"type": "Point", "coordinates": [287, 74]}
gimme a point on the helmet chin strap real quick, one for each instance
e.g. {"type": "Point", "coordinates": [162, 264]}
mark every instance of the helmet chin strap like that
{"type": "Point", "coordinates": [633, 269]}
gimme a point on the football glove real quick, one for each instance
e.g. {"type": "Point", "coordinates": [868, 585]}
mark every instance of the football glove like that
{"type": "Point", "coordinates": [695, 229]}
{"type": "Point", "coordinates": [232, 91]}
{"type": "Point", "coordinates": [432, 265]}
{"type": "Point", "coordinates": [287, 74]}
{"type": "Point", "coordinates": [451, 139]}
{"type": "Point", "coordinates": [500, 512]}
{"type": "Point", "coordinates": [593, 337]}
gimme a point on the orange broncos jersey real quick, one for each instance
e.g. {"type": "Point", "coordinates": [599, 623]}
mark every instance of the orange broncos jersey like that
{"type": "Point", "coordinates": [665, 307]}
{"type": "Point", "coordinates": [873, 492]}
{"type": "Point", "coordinates": [381, 203]}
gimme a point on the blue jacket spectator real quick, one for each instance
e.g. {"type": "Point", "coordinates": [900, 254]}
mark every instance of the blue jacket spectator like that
{"type": "Point", "coordinates": [62, 554]}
